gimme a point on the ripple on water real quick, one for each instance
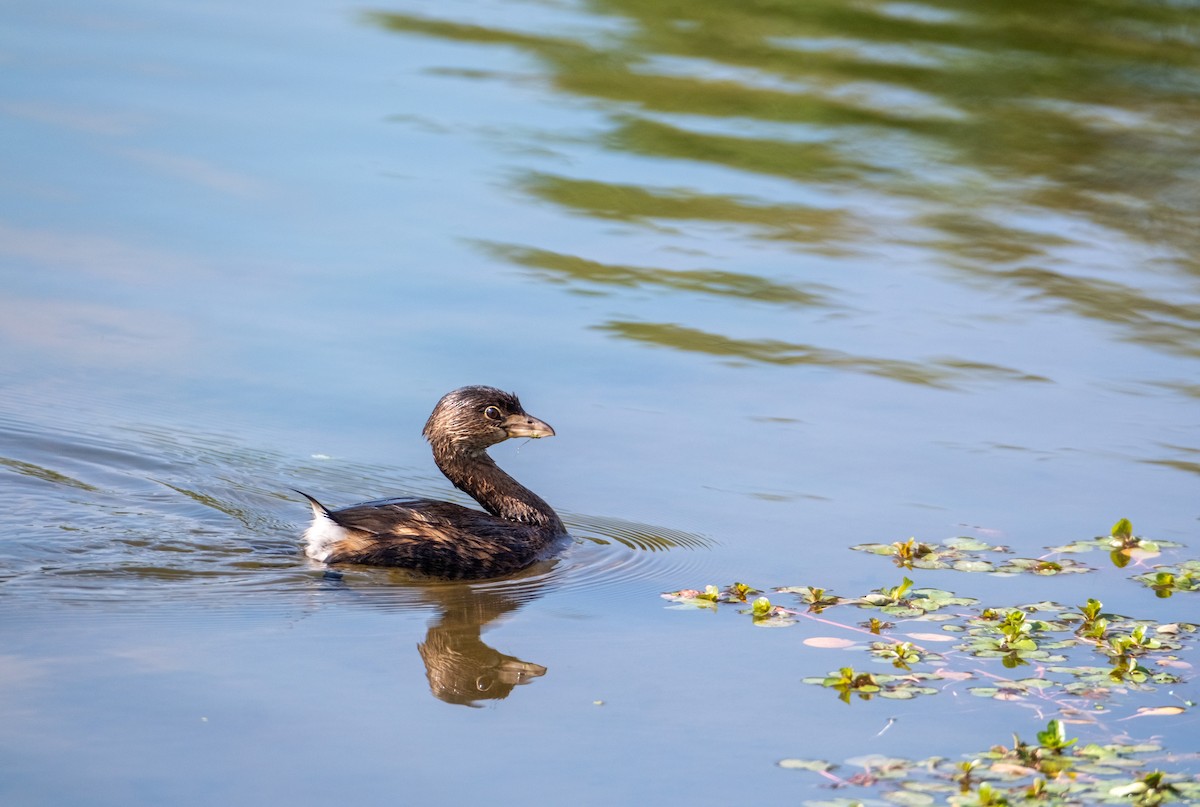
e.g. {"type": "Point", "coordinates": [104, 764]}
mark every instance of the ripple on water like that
{"type": "Point", "coordinates": [145, 517]}
{"type": "Point", "coordinates": [604, 559]}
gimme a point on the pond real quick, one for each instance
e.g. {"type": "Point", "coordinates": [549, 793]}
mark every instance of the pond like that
{"type": "Point", "coordinates": [786, 279]}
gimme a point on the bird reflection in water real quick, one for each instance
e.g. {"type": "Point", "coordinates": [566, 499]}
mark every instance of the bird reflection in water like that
{"type": "Point", "coordinates": [460, 666]}
{"type": "Point", "coordinates": [463, 669]}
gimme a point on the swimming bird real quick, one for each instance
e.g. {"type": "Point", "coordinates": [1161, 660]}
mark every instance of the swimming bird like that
{"type": "Point", "coordinates": [442, 539]}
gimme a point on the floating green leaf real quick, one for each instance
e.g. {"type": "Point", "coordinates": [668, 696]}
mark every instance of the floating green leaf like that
{"type": "Point", "coordinates": [1166, 580]}
{"type": "Point", "coordinates": [900, 654]}
{"type": "Point", "coordinates": [951, 553]}
{"type": "Point", "coordinates": [767, 615]}
{"type": "Point", "coordinates": [1121, 544]}
{"type": "Point", "coordinates": [1042, 567]}
{"type": "Point", "coordinates": [1075, 661]}
{"type": "Point", "coordinates": [1090, 611]}
{"type": "Point", "coordinates": [1055, 737]}
{"type": "Point", "coordinates": [848, 681]}
{"type": "Point", "coordinates": [711, 595]}
{"type": "Point", "coordinates": [818, 765]}
{"type": "Point", "coordinates": [1013, 690]}
{"type": "Point", "coordinates": [967, 555]}
{"type": "Point", "coordinates": [1055, 771]}
{"type": "Point", "coordinates": [1040, 636]}
{"type": "Point", "coordinates": [816, 598]}
{"type": "Point", "coordinates": [900, 601]}
{"type": "Point", "coordinates": [1122, 530]}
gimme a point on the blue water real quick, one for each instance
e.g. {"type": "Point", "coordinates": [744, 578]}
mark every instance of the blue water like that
{"type": "Point", "coordinates": [783, 279]}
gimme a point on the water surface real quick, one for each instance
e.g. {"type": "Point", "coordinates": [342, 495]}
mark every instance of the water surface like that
{"type": "Point", "coordinates": [784, 278]}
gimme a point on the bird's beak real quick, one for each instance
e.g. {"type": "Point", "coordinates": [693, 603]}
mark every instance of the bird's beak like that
{"type": "Point", "coordinates": [522, 425]}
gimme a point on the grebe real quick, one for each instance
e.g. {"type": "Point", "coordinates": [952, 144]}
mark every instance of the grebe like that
{"type": "Point", "coordinates": [443, 539]}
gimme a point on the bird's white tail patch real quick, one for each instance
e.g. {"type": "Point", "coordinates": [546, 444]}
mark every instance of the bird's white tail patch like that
{"type": "Point", "coordinates": [322, 535]}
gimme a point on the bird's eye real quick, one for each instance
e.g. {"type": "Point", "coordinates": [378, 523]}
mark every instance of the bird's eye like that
{"type": "Point", "coordinates": [491, 413]}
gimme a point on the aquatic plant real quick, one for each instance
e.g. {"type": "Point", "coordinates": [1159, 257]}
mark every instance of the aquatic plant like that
{"type": "Point", "coordinates": [1054, 770]}
{"type": "Point", "coordinates": [901, 655]}
{"type": "Point", "coordinates": [816, 598]}
{"type": "Point", "coordinates": [1032, 633]}
{"type": "Point", "coordinates": [767, 615]}
{"type": "Point", "coordinates": [1166, 580]}
{"type": "Point", "coordinates": [847, 681]}
{"type": "Point", "coordinates": [1057, 642]}
{"type": "Point", "coordinates": [964, 554]}
{"type": "Point", "coordinates": [1122, 545]}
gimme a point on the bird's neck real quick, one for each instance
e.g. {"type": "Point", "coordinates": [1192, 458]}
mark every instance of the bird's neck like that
{"type": "Point", "coordinates": [477, 475]}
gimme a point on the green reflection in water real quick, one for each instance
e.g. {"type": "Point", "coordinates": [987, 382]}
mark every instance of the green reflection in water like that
{"type": "Point", "coordinates": [1178, 465]}
{"type": "Point", "coordinates": [974, 244]}
{"type": "Point", "coordinates": [757, 154]}
{"type": "Point", "coordinates": [1085, 99]}
{"type": "Point", "coordinates": [45, 474]}
{"type": "Point", "coordinates": [1151, 321]}
{"type": "Point", "coordinates": [573, 270]}
{"type": "Point", "coordinates": [1191, 390]}
{"type": "Point", "coordinates": [937, 372]}
{"type": "Point", "coordinates": [988, 132]}
{"type": "Point", "coordinates": [633, 203]}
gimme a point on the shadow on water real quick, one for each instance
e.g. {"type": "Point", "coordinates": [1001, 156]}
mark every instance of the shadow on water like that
{"type": "Point", "coordinates": [993, 141]}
